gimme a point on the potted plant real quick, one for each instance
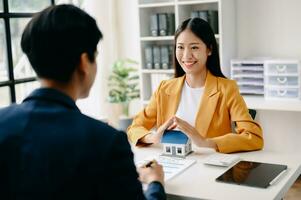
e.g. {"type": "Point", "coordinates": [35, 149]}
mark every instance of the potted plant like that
{"type": "Point", "coordinates": [123, 87]}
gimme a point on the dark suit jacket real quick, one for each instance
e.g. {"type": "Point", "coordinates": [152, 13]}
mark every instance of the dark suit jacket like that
{"type": "Point", "coordinates": [50, 150]}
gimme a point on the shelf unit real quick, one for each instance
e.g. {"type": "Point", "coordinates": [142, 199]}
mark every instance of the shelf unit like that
{"type": "Point", "coordinates": [182, 10]}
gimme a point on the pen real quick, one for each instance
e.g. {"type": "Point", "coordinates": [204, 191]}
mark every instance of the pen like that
{"type": "Point", "coordinates": [149, 164]}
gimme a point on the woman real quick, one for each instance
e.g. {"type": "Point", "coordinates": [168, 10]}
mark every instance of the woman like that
{"type": "Point", "coordinates": [199, 101]}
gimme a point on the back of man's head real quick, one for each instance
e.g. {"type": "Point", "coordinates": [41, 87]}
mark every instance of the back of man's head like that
{"type": "Point", "coordinates": [55, 39]}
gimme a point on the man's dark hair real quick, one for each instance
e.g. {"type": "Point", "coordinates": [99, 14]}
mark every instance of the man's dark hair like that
{"type": "Point", "coordinates": [55, 39]}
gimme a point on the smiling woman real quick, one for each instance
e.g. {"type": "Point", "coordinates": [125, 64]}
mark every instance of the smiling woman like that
{"type": "Point", "coordinates": [191, 54]}
{"type": "Point", "coordinates": [199, 101]}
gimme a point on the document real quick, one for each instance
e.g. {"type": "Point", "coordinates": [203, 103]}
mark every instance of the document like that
{"type": "Point", "coordinates": [172, 166]}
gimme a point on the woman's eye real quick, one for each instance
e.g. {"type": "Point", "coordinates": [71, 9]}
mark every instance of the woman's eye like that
{"type": "Point", "coordinates": [179, 47]}
{"type": "Point", "coordinates": [195, 47]}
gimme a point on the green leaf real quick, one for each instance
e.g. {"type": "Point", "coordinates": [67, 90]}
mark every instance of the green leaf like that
{"type": "Point", "coordinates": [123, 81]}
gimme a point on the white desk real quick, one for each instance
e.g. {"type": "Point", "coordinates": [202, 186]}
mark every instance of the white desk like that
{"type": "Point", "coordinates": [198, 181]}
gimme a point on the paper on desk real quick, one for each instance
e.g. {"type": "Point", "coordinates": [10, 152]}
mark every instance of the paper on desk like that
{"type": "Point", "coordinates": [171, 166]}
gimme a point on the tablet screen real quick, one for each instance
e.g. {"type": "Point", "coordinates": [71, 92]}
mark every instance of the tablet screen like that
{"type": "Point", "coordinates": [254, 174]}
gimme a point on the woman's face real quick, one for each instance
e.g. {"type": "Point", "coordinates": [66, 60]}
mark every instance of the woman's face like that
{"type": "Point", "coordinates": [191, 52]}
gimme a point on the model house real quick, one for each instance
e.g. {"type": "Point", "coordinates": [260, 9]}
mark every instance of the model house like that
{"type": "Point", "coordinates": [175, 143]}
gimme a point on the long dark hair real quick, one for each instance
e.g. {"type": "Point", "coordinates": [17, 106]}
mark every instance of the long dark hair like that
{"type": "Point", "coordinates": [202, 30]}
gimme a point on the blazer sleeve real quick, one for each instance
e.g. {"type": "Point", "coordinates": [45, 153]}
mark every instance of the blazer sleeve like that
{"type": "Point", "coordinates": [248, 134]}
{"type": "Point", "coordinates": [123, 177]}
{"type": "Point", "coordinates": [145, 120]}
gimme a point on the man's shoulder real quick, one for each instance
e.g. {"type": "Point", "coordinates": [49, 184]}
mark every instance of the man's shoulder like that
{"type": "Point", "coordinates": [11, 111]}
{"type": "Point", "coordinates": [94, 123]}
{"type": "Point", "coordinates": [102, 129]}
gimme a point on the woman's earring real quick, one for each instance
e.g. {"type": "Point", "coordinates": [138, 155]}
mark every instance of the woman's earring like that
{"type": "Point", "coordinates": [209, 54]}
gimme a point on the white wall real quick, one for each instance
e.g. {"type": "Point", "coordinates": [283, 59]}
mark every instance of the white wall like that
{"type": "Point", "coordinates": [282, 130]}
{"type": "Point", "coordinates": [96, 105]}
{"type": "Point", "coordinates": [269, 28]}
{"type": "Point", "coordinates": [128, 37]}
{"type": "Point", "coordinates": [128, 29]}
{"type": "Point", "coordinates": [272, 28]}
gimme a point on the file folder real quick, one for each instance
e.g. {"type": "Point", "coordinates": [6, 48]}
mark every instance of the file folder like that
{"type": "Point", "coordinates": [156, 57]}
{"type": "Point", "coordinates": [170, 23]}
{"type": "Point", "coordinates": [164, 57]}
{"type": "Point", "coordinates": [154, 26]}
{"type": "Point", "coordinates": [148, 57]}
{"type": "Point", "coordinates": [213, 20]}
{"type": "Point", "coordinates": [163, 24]}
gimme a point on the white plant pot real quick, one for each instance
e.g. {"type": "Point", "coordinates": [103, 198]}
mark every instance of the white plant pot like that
{"type": "Point", "coordinates": [124, 122]}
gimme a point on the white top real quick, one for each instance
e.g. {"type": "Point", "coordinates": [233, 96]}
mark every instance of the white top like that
{"type": "Point", "coordinates": [189, 103]}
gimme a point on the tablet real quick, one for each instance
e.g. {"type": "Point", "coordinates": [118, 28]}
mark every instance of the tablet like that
{"type": "Point", "coordinates": [255, 174]}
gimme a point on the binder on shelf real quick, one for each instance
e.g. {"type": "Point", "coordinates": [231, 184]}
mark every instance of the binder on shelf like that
{"type": "Point", "coordinates": [213, 20]}
{"type": "Point", "coordinates": [154, 26]}
{"type": "Point", "coordinates": [203, 14]}
{"type": "Point", "coordinates": [170, 55]}
{"type": "Point", "coordinates": [164, 57]}
{"type": "Point", "coordinates": [156, 57]}
{"type": "Point", "coordinates": [148, 57]}
{"type": "Point", "coordinates": [170, 23]}
{"type": "Point", "coordinates": [162, 24]}
{"type": "Point", "coordinates": [194, 14]}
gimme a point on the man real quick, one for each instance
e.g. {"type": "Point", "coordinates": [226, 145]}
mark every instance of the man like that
{"type": "Point", "coordinates": [48, 149]}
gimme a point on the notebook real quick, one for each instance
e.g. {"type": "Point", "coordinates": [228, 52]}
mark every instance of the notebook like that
{"type": "Point", "coordinates": [255, 174]}
{"type": "Point", "coordinates": [171, 166]}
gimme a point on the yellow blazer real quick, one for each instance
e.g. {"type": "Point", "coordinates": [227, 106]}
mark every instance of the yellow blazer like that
{"type": "Point", "coordinates": [221, 104]}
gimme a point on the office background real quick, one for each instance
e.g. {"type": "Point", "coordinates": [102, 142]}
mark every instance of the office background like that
{"type": "Point", "coordinates": [263, 28]}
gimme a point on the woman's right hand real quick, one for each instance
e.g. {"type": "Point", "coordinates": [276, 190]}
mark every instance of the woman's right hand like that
{"type": "Point", "coordinates": [155, 136]}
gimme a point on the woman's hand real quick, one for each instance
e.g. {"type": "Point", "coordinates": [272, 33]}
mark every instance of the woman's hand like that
{"type": "Point", "coordinates": [155, 137]}
{"type": "Point", "coordinates": [191, 132]}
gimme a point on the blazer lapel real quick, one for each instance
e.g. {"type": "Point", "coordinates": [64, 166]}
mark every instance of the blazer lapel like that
{"type": "Point", "coordinates": [208, 105]}
{"type": "Point", "coordinates": [173, 93]}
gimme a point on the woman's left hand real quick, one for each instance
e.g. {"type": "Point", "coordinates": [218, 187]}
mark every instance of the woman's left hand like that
{"type": "Point", "coordinates": [192, 133]}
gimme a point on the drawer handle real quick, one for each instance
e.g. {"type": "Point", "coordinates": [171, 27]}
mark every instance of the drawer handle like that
{"type": "Point", "coordinates": [282, 80]}
{"type": "Point", "coordinates": [281, 68]}
{"type": "Point", "coordinates": [281, 92]}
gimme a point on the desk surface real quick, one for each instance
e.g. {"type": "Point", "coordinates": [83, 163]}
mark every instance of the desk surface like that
{"type": "Point", "coordinates": [198, 181]}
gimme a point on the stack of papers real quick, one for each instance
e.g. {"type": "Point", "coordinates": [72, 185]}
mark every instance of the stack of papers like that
{"type": "Point", "coordinates": [171, 166]}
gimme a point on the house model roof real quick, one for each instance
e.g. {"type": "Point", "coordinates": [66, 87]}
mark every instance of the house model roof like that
{"type": "Point", "coordinates": [174, 137]}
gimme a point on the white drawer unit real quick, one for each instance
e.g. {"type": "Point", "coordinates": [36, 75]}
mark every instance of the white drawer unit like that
{"type": "Point", "coordinates": [282, 93]}
{"type": "Point", "coordinates": [249, 75]}
{"type": "Point", "coordinates": [281, 68]}
{"type": "Point", "coordinates": [282, 79]}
